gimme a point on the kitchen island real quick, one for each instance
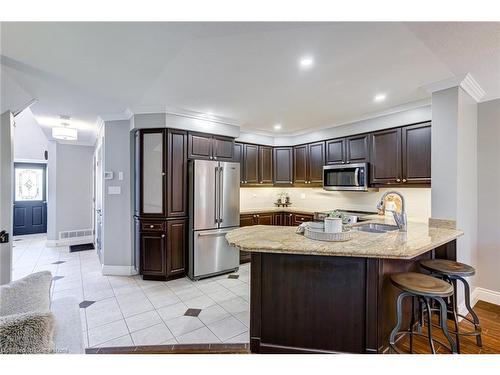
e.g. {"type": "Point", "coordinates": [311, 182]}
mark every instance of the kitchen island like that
{"type": "Point", "coordinates": [328, 297]}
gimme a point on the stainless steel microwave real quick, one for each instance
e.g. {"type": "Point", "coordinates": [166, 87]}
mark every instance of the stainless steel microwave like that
{"type": "Point", "coordinates": [352, 177]}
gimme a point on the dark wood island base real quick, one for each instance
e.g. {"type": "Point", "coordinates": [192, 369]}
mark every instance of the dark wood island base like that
{"type": "Point", "coordinates": [326, 304]}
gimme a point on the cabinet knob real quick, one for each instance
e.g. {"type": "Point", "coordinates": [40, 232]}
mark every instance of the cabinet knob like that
{"type": "Point", "coordinates": [290, 182]}
{"type": "Point", "coordinates": [162, 236]}
{"type": "Point", "coordinates": [398, 180]}
{"type": "Point", "coordinates": [290, 215]}
{"type": "Point", "coordinates": [343, 162]}
{"type": "Point", "coordinates": [261, 182]}
{"type": "Point", "coordinates": [348, 162]}
{"type": "Point", "coordinates": [163, 173]}
{"type": "Point", "coordinates": [151, 226]}
{"type": "Point", "coordinates": [215, 157]}
{"type": "Point", "coordinates": [404, 179]}
{"type": "Point", "coordinates": [258, 215]}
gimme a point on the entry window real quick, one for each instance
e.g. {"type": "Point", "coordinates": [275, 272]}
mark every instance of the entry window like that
{"type": "Point", "coordinates": [29, 184]}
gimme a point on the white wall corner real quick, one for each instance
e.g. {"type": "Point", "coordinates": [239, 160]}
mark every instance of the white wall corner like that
{"type": "Point", "coordinates": [480, 294]}
{"type": "Point", "coordinates": [109, 270]}
{"type": "Point", "coordinates": [466, 82]}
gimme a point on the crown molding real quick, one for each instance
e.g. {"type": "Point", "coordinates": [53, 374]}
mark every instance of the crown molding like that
{"type": "Point", "coordinates": [125, 115]}
{"type": "Point", "coordinates": [465, 81]}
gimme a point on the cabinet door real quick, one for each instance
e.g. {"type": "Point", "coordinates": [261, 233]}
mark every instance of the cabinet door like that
{"type": "Point", "coordinates": [265, 165]}
{"type": "Point", "coordinates": [238, 158]}
{"type": "Point", "coordinates": [300, 164]}
{"type": "Point", "coordinates": [177, 173]}
{"type": "Point", "coordinates": [152, 175]}
{"type": "Point", "coordinates": [416, 142]}
{"type": "Point", "coordinates": [251, 162]}
{"type": "Point", "coordinates": [299, 218]}
{"type": "Point", "coordinates": [288, 219]}
{"type": "Point", "coordinates": [335, 151]}
{"type": "Point", "coordinates": [316, 161]}
{"type": "Point", "coordinates": [265, 219]}
{"type": "Point", "coordinates": [283, 165]}
{"type": "Point", "coordinates": [153, 254]}
{"type": "Point", "coordinates": [223, 148]}
{"type": "Point", "coordinates": [199, 146]}
{"type": "Point", "coordinates": [176, 247]}
{"type": "Point", "coordinates": [247, 220]}
{"type": "Point", "coordinates": [278, 218]}
{"type": "Point", "coordinates": [385, 156]}
{"type": "Point", "coordinates": [357, 149]}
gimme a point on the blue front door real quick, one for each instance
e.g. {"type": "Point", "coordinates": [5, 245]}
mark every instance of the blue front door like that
{"type": "Point", "coordinates": [30, 205]}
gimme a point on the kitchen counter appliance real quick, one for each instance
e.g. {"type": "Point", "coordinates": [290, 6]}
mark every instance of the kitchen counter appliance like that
{"type": "Point", "coordinates": [214, 210]}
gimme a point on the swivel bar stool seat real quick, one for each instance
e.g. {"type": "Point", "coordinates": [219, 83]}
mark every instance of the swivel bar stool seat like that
{"type": "Point", "coordinates": [450, 271]}
{"type": "Point", "coordinates": [425, 289]}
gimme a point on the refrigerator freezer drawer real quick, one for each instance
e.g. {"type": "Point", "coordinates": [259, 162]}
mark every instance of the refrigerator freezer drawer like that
{"type": "Point", "coordinates": [212, 253]}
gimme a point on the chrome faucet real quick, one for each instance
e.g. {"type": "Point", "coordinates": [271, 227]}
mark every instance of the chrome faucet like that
{"type": "Point", "coordinates": [399, 218]}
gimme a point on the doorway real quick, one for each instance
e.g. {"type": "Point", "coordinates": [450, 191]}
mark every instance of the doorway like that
{"type": "Point", "coordinates": [30, 199]}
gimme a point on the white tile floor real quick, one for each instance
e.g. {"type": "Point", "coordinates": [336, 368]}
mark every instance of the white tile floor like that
{"type": "Point", "coordinates": [131, 311]}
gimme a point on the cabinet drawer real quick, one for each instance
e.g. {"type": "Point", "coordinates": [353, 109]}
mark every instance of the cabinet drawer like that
{"type": "Point", "coordinates": [152, 226]}
{"type": "Point", "coordinates": [298, 219]}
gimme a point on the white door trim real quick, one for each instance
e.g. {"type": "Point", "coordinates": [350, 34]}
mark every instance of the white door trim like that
{"type": "Point", "coordinates": [6, 192]}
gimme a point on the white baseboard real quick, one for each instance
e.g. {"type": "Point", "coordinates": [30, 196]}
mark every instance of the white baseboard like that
{"type": "Point", "coordinates": [480, 294]}
{"type": "Point", "coordinates": [70, 241]}
{"type": "Point", "coordinates": [118, 270]}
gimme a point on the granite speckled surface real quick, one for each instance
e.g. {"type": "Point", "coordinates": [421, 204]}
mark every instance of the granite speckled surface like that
{"type": "Point", "coordinates": [419, 239]}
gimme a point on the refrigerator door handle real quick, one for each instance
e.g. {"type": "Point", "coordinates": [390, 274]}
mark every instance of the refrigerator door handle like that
{"type": "Point", "coordinates": [221, 190]}
{"type": "Point", "coordinates": [216, 211]}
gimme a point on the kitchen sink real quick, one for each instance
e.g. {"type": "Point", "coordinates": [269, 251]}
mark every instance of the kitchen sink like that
{"type": "Point", "coordinates": [376, 228]}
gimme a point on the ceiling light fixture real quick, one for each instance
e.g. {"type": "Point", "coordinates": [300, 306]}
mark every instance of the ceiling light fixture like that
{"type": "Point", "coordinates": [306, 62]}
{"type": "Point", "coordinates": [277, 127]}
{"type": "Point", "coordinates": [65, 132]}
{"type": "Point", "coordinates": [379, 98]}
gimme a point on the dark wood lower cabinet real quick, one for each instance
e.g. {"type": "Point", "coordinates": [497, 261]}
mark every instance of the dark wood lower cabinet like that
{"type": "Point", "coordinates": [340, 304]}
{"type": "Point", "coordinates": [162, 248]}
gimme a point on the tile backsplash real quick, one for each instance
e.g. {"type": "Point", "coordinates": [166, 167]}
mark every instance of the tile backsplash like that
{"type": "Point", "coordinates": [418, 200]}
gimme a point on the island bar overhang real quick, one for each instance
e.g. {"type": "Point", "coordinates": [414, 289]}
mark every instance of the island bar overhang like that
{"type": "Point", "coordinates": [327, 304]}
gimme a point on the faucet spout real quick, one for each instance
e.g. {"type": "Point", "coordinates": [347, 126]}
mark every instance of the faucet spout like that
{"type": "Point", "coordinates": [399, 217]}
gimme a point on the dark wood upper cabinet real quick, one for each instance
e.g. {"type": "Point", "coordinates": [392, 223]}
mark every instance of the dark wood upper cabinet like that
{"type": "Point", "coordinates": [416, 152]}
{"type": "Point", "coordinates": [265, 165]}
{"type": "Point", "coordinates": [283, 165]}
{"type": "Point", "coordinates": [177, 178]}
{"type": "Point", "coordinates": [357, 149]}
{"type": "Point", "coordinates": [300, 164]}
{"type": "Point", "coordinates": [335, 151]}
{"type": "Point", "coordinates": [385, 157]}
{"type": "Point", "coordinates": [223, 148]}
{"type": "Point", "coordinates": [238, 158]}
{"type": "Point", "coordinates": [251, 163]}
{"type": "Point", "coordinates": [152, 173]}
{"type": "Point", "coordinates": [176, 247]}
{"type": "Point", "coordinates": [207, 146]}
{"type": "Point", "coordinates": [200, 146]}
{"type": "Point", "coordinates": [308, 162]}
{"type": "Point", "coordinates": [316, 161]}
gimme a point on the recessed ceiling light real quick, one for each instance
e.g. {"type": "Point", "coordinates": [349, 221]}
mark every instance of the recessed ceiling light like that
{"type": "Point", "coordinates": [379, 98]}
{"type": "Point", "coordinates": [306, 62]}
{"type": "Point", "coordinates": [277, 127]}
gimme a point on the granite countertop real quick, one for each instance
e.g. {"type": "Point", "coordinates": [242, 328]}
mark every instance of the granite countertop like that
{"type": "Point", "coordinates": [419, 239]}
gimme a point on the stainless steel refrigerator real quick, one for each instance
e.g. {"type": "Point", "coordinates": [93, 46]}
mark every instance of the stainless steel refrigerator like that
{"type": "Point", "coordinates": [214, 206]}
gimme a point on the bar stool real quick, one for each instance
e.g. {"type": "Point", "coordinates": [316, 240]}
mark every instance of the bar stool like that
{"type": "Point", "coordinates": [425, 289]}
{"type": "Point", "coordinates": [451, 271]}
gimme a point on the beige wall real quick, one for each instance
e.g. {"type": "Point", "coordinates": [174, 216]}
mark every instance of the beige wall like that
{"type": "Point", "coordinates": [489, 195]}
{"type": "Point", "coordinates": [418, 200]}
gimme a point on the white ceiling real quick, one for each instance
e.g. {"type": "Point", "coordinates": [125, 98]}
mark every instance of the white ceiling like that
{"type": "Point", "coordinates": [247, 72]}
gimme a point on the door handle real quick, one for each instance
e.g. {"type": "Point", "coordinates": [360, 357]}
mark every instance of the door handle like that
{"type": "Point", "coordinates": [221, 193]}
{"type": "Point", "coordinates": [4, 237]}
{"type": "Point", "coordinates": [216, 234]}
{"type": "Point", "coordinates": [216, 211]}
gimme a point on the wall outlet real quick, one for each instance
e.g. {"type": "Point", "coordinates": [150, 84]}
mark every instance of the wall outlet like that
{"type": "Point", "coordinates": [302, 195]}
{"type": "Point", "coordinates": [120, 176]}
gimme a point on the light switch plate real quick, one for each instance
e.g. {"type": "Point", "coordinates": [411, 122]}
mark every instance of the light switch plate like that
{"type": "Point", "coordinates": [113, 190]}
{"type": "Point", "coordinates": [120, 176]}
{"type": "Point", "coordinates": [108, 175]}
